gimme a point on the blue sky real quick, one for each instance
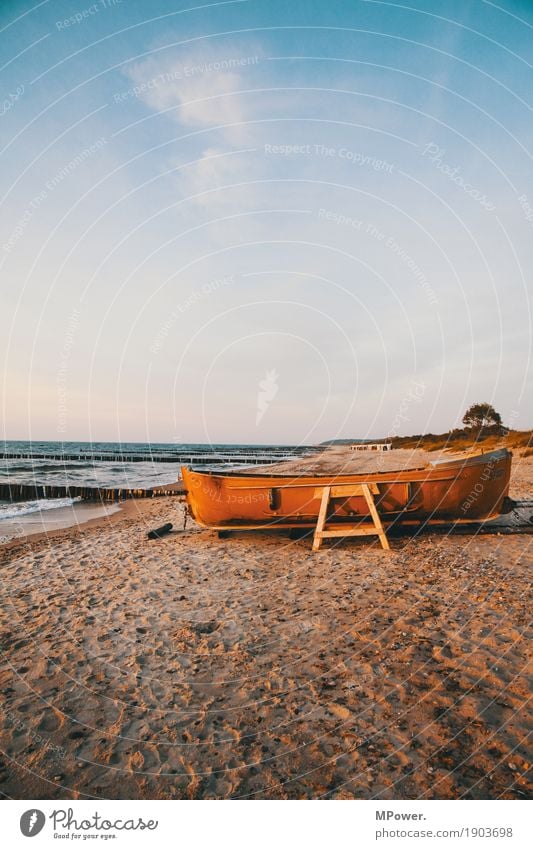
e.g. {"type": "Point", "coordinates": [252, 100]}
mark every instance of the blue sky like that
{"type": "Point", "coordinates": [320, 210]}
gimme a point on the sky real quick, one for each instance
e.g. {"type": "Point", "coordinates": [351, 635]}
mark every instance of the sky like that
{"type": "Point", "coordinates": [262, 222]}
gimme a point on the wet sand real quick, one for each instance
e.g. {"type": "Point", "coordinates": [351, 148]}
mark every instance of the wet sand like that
{"type": "Point", "coordinates": [193, 667]}
{"type": "Point", "coordinates": [47, 521]}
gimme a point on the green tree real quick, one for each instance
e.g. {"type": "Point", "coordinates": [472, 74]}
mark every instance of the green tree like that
{"type": "Point", "coordinates": [479, 416]}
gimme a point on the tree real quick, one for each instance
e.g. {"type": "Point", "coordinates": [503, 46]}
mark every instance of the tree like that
{"type": "Point", "coordinates": [479, 416]}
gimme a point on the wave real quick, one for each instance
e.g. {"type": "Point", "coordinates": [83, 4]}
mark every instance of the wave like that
{"type": "Point", "coordinates": [107, 472]}
{"type": "Point", "coordinates": [24, 508]}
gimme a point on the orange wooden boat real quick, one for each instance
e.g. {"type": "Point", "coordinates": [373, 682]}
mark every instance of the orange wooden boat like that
{"type": "Point", "coordinates": [469, 488]}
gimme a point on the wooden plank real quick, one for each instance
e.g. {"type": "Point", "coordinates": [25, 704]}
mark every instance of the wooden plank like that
{"type": "Point", "coordinates": [350, 531]}
{"type": "Point", "coordinates": [367, 491]}
{"type": "Point", "coordinates": [347, 490]}
{"type": "Point", "coordinates": [321, 521]}
{"type": "Point", "coordinates": [375, 516]}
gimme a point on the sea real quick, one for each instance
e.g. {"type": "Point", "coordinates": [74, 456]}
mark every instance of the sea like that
{"type": "Point", "coordinates": [113, 465]}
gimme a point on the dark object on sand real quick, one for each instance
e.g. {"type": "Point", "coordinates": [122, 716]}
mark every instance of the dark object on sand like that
{"type": "Point", "coordinates": [160, 532]}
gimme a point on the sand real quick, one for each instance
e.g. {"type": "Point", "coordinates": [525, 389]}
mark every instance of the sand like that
{"type": "Point", "coordinates": [340, 460]}
{"type": "Point", "coordinates": [192, 667]}
{"type": "Point", "coordinates": [46, 521]}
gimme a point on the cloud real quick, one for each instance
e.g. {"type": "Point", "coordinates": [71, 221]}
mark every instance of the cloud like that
{"type": "Point", "coordinates": [204, 88]}
{"type": "Point", "coordinates": [217, 169]}
{"type": "Point", "coordinates": [210, 86]}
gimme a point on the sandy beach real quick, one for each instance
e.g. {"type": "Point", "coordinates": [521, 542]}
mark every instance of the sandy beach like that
{"type": "Point", "coordinates": [193, 667]}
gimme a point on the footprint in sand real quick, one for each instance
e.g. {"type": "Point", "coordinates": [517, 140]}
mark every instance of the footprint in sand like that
{"type": "Point", "coordinates": [77, 735]}
{"type": "Point", "coordinates": [50, 722]}
{"type": "Point", "coordinates": [136, 762]}
{"type": "Point", "coordinates": [339, 711]}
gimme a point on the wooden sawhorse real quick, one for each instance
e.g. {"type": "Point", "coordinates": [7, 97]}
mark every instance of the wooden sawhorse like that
{"type": "Point", "coordinates": [368, 490]}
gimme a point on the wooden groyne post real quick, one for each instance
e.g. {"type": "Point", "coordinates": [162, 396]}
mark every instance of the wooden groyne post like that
{"type": "Point", "coordinates": [36, 492]}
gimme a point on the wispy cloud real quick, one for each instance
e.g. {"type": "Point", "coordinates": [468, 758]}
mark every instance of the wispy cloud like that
{"type": "Point", "coordinates": [208, 87]}
{"type": "Point", "coordinates": [202, 88]}
{"type": "Point", "coordinates": [216, 169]}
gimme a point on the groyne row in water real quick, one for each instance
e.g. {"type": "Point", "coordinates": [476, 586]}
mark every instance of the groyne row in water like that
{"type": "Point", "coordinates": [185, 459]}
{"type": "Point", "coordinates": [35, 492]}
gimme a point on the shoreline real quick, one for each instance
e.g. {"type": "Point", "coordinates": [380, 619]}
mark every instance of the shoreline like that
{"type": "Point", "coordinates": [130, 510]}
{"type": "Point", "coordinates": [47, 520]}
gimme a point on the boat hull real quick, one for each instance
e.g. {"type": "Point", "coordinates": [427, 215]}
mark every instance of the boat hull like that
{"type": "Point", "coordinates": [469, 489]}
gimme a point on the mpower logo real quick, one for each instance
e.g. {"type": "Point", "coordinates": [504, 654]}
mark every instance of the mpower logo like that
{"type": "Point", "coordinates": [32, 822]}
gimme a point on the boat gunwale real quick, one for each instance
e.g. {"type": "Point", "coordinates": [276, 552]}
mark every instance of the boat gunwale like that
{"type": "Point", "coordinates": [437, 470]}
{"type": "Point", "coordinates": [294, 483]}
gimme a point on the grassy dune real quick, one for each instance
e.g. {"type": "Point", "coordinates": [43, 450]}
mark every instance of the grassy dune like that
{"type": "Point", "coordinates": [462, 440]}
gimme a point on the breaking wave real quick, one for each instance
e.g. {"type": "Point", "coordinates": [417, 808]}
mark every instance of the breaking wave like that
{"type": "Point", "coordinates": [24, 508]}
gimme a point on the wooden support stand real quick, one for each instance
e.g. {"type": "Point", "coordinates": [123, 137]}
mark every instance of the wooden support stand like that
{"type": "Point", "coordinates": [348, 491]}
